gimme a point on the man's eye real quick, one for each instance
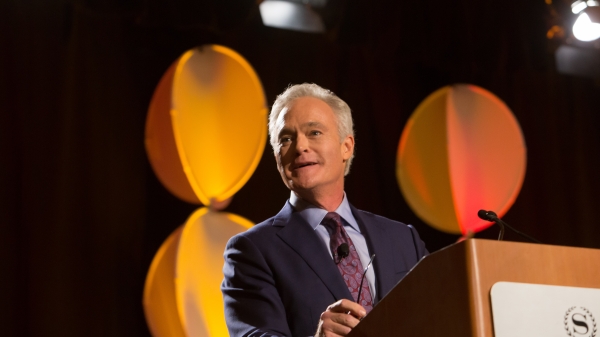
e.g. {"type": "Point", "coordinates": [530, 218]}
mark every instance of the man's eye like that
{"type": "Point", "coordinates": [316, 133]}
{"type": "Point", "coordinates": [284, 140]}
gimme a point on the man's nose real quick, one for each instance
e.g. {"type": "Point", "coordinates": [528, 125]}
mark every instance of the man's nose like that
{"type": "Point", "coordinates": [301, 144]}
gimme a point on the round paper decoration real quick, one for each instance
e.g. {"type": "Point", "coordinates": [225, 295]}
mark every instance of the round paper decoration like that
{"type": "Point", "coordinates": [207, 125]}
{"type": "Point", "coordinates": [182, 295]}
{"type": "Point", "coordinates": [462, 150]}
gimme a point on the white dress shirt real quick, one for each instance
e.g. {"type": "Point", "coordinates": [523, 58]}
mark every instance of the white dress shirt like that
{"type": "Point", "coordinates": [314, 215]}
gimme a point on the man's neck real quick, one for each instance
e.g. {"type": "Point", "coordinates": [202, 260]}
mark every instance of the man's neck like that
{"type": "Point", "coordinates": [327, 201]}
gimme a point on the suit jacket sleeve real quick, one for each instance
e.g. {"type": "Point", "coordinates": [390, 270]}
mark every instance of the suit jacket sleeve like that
{"type": "Point", "coordinates": [253, 306]}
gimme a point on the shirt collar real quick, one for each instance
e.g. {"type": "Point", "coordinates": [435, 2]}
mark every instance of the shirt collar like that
{"type": "Point", "coordinates": [314, 215]}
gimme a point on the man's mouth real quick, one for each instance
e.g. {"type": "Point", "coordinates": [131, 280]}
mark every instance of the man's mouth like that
{"type": "Point", "coordinates": [301, 165]}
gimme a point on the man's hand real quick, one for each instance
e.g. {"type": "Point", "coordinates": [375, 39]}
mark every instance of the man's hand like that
{"type": "Point", "coordinates": [340, 318]}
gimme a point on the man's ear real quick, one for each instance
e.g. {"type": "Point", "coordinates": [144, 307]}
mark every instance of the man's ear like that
{"type": "Point", "coordinates": [348, 147]}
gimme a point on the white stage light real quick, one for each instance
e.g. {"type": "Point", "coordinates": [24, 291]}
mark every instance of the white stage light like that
{"type": "Point", "coordinates": [290, 15]}
{"type": "Point", "coordinates": [586, 30]}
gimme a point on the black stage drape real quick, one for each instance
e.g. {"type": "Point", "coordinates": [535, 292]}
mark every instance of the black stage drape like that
{"type": "Point", "coordinates": [82, 213]}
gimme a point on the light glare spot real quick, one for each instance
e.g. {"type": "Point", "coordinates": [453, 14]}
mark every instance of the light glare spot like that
{"type": "Point", "coordinates": [586, 30]}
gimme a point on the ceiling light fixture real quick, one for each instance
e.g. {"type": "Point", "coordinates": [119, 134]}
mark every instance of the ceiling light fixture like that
{"type": "Point", "coordinates": [587, 25]}
{"type": "Point", "coordinates": [293, 15]}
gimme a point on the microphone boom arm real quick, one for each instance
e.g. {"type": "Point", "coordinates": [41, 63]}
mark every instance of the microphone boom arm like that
{"type": "Point", "coordinates": [363, 277]}
{"type": "Point", "coordinates": [492, 217]}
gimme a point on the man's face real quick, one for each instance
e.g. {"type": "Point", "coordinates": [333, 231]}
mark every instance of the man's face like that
{"type": "Point", "coordinates": [311, 157]}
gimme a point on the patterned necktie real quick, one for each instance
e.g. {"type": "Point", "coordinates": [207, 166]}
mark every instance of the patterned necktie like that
{"type": "Point", "coordinates": [350, 266]}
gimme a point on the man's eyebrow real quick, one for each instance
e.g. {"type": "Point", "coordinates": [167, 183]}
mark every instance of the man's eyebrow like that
{"type": "Point", "coordinates": [284, 131]}
{"type": "Point", "coordinates": [310, 124]}
{"type": "Point", "coordinates": [313, 124]}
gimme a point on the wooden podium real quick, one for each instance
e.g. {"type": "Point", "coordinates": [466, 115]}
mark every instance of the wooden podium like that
{"type": "Point", "coordinates": [448, 292]}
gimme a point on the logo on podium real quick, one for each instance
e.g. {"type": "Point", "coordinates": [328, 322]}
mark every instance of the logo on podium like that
{"type": "Point", "coordinates": [579, 321]}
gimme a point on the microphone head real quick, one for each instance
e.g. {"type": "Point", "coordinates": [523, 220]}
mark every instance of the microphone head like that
{"type": "Point", "coordinates": [487, 215]}
{"type": "Point", "coordinates": [482, 214]}
{"type": "Point", "coordinates": [343, 250]}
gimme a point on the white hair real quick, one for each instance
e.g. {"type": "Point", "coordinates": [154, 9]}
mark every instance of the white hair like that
{"type": "Point", "coordinates": [339, 107]}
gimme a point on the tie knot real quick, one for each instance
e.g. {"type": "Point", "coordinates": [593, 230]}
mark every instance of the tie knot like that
{"type": "Point", "coordinates": [333, 222]}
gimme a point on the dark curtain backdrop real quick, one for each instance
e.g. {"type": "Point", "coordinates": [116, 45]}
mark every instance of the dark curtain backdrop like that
{"type": "Point", "coordinates": [82, 213]}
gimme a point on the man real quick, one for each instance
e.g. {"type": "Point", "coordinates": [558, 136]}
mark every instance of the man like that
{"type": "Point", "coordinates": [290, 275]}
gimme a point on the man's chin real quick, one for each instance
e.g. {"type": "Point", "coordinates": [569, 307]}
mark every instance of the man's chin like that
{"type": "Point", "coordinates": [300, 187]}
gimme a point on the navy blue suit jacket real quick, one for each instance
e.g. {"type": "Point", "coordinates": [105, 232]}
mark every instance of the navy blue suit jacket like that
{"type": "Point", "coordinates": [279, 276]}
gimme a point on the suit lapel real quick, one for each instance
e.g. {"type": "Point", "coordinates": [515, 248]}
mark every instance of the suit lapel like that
{"type": "Point", "coordinates": [378, 243]}
{"type": "Point", "coordinates": [302, 238]}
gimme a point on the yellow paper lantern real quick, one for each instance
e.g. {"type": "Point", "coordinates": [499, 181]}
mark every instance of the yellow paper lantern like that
{"type": "Point", "coordinates": [182, 295]}
{"type": "Point", "coordinates": [206, 126]}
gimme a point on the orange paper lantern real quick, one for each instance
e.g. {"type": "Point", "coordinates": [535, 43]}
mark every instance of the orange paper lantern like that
{"type": "Point", "coordinates": [462, 150]}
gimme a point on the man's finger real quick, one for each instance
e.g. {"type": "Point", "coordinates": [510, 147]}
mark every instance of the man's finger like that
{"type": "Point", "coordinates": [337, 323]}
{"type": "Point", "coordinates": [348, 307]}
{"type": "Point", "coordinates": [344, 319]}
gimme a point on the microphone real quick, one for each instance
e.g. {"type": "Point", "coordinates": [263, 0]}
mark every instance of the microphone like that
{"type": "Point", "coordinates": [487, 215]}
{"type": "Point", "coordinates": [343, 250]}
{"type": "Point", "coordinates": [492, 217]}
